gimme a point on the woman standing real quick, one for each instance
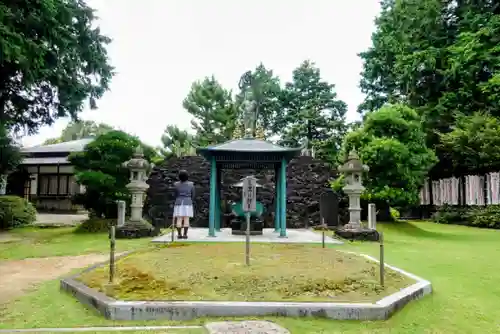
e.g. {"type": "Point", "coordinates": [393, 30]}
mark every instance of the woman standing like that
{"type": "Point", "coordinates": [183, 208]}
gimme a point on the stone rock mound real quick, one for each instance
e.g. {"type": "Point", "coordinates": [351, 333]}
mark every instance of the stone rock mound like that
{"type": "Point", "coordinates": [307, 178]}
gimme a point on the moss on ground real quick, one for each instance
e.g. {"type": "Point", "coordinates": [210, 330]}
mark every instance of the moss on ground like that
{"type": "Point", "coordinates": [278, 272]}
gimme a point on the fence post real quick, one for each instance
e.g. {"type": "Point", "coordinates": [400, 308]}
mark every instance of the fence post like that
{"type": "Point", "coordinates": [112, 243]}
{"type": "Point", "coordinates": [382, 266]}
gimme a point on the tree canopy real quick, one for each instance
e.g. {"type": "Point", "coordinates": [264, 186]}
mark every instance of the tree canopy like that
{"type": "Point", "coordinates": [176, 142]}
{"type": "Point", "coordinates": [214, 112]}
{"type": "Point", "coordinates": [304, 110]}
{"type": "Point", "coordinates": [312, 112]}
{"type": "Point", "coordinates": [10, 157]}
{"type": "Point", "coordinates": [53, 61]}
{"type": "Point", "coordinates": [391, 142]}
{"type": "Point", "coordinates": [268, 95]}
{"type": "Point", "coordinates": [10, 153]}
{"type": "Point", "coordinates": [79, 130]}
{"type": "Point", "coordinates": [439, 57]}
{"type": "Point", "coordinates": [100, 169]}
{"type": "Point", "coordinates": [473, 144]}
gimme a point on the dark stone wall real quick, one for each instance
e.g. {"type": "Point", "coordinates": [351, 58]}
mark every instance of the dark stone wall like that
{"type": "Point", "coordinates": [306, 180]}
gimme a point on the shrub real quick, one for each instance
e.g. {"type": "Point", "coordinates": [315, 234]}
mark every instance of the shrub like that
{"type": "Point", "coordinates": [477, 216]}
{"type": "Point", "coordinates": [451, 214]}
{"type": "Point", "coordinates": [15, 212]}
{"type": "Point", "coordinates": [488, 217]}
{"type": "Point", "coordinates": [394, 214]}
{"type": "Point", "coordinates": [95, 225]}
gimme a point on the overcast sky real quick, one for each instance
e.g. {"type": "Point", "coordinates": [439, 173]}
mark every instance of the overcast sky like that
{"type": "Point", "coordinates": [161, 46]}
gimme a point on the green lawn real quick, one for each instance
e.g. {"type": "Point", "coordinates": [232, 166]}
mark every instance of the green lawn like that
{"type": "Point", "coordinates": [43, 242]}
{"type": "Point", "coordinates": [460, 262]}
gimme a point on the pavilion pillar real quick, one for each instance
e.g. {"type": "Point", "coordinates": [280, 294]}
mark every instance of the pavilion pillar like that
{"type": "Point", "coordinates": [277, 212]}
{"type": "Point", "coordinates": [213, 200]}
{"type": "Point", "coordinates": [282, 183]}
{"type": "Point", "coordinates": [218, 201]}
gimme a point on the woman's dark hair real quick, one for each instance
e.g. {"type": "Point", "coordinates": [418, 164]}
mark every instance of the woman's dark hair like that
{"type": "Point", "coordinates": [183, 175]}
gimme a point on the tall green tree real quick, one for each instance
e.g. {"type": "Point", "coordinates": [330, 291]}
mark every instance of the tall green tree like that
{"type": "Point", "coordinates": [176, 142]}
{"type": "Point", "coordinates": [440, 57]}
{"type": "Point", "coordinates": [53, 61]}
{"type": "Point", "coordinates": [10, 157]}
{"type": "Point", "coordinates": [267, 93]}
{"type": "Point", "coordinates": [214, 112]}
{"type": "Point", "coordinates": [391, 142]}
{"type": "Point", "coordinates": [100, 169]}
{"type": "Point", "coordinates": [79, 130]}
{"type": "Point", "coordinates": [312, 112]}
{"type": "Point", "coordinates": [473, 144]}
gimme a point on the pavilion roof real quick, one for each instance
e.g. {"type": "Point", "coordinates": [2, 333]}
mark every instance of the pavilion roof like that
{"type": "Point", "coordinates": [248, 153]}
{"type": "Point", "coordinates": [66, 147]}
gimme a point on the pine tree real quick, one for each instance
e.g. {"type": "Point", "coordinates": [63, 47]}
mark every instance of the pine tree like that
{"type": "Point", "coordinates": [312, 112]}
{"type": "Point", "coordinates": [267, 93]}
{"type": "Point", "coordinates": [213, 110]}
{"type": "Point", "coordinates": [176, 142]}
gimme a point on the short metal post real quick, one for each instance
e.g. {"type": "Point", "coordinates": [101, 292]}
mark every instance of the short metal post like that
{"type": "Point", "coordinates": [382, 266]}
{"type": "Point", "coordinates": [173, 228]}
{"type": "Point", "coordinates": [323, 232]}
{"type": "Point", "coordinates": [247, 240]}
{"type": "Point", "coordinates": [112, 255]}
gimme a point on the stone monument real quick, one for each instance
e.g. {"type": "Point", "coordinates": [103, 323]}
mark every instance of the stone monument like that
{"type": "Point", "coordinates": [136, 226]}
{"type": "Point", "coordinates": [353, 169]}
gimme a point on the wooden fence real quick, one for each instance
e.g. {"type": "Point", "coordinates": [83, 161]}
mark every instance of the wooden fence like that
{"type": "Point", "coordinates": [465, 190]}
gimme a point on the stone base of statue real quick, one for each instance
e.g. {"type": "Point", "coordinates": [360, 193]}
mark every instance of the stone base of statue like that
{"type": "Point", "coordinates": [357, 232]}
{"type": "Point", "coordinates": [135, 230]}
{"type": "Point", "coordinates": [239, 226]}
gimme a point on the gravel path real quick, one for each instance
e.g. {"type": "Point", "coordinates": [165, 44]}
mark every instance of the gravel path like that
{"type": "Point", "coordinates": [59, 219]}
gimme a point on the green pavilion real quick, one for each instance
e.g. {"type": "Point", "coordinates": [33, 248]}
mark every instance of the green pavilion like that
{"type": "Point", "coordinates": [247, 153]}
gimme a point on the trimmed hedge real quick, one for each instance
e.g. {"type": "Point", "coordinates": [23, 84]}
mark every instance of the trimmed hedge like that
{"type": "Point", "coordinates": [16, 212]}
{"type": "Point", "coordinates": [95, 225]}
{"type": "Point", "coordinates": [477, 216]}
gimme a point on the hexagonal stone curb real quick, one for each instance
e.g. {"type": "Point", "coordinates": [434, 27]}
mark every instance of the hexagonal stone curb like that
{"type": "Point", "coordinates": [186, 310]}
{"type": "Point", "coordinates": [245, 327]}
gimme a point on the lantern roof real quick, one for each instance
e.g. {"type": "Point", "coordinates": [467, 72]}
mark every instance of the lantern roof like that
{"type": "Point", "coordinates": [353, 164]}
{"type": "Point", "coordinates": [137, 161]}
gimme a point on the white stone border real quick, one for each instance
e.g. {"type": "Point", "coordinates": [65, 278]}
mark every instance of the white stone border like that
{"type": "Point", "coordinates": [185, 310]}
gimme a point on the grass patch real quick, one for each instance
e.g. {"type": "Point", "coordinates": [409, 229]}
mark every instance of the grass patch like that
{"type": "Point", "coordinates": [218, 272]}
{"type": "Point", "coordinates": [44, 242]}
{"type": "Point", "coordinates": [458, 260]}
{"type": "Point", "coordinates": [48, 307]}
{"type": "Point", "coordinates": [160, 331]}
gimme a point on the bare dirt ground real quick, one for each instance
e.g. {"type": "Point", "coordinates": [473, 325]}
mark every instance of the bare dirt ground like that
{"type": "Point", "coordinates": [7, 237]}
{"type": "Point", "coordinates": [18, 276]}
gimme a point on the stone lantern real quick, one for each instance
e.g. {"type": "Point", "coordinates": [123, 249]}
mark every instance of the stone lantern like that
{"type": "Point", "coordinates": [353, 170]}
{"type": "Point", "coordinates": [136, 226]}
